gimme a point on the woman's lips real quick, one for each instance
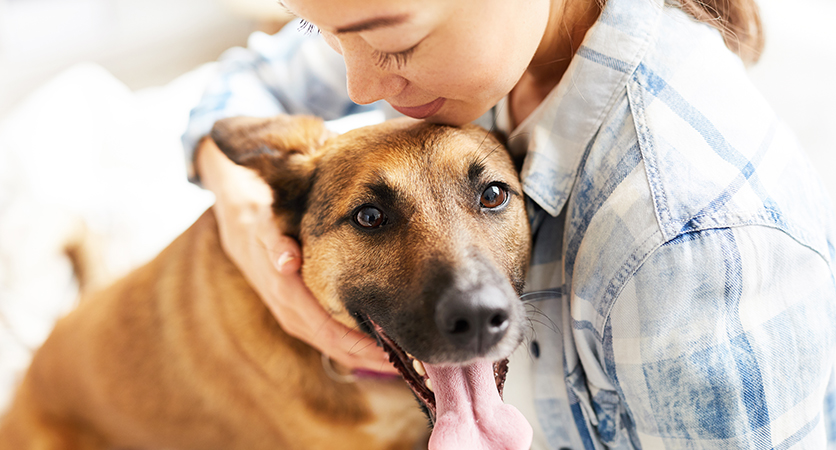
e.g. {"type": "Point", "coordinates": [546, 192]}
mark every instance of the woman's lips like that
{"type": "Point", "coordinates": [423, 111]}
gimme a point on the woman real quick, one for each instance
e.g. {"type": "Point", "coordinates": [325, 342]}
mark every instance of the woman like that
{"type": "Point", "coordinates": [683, 246]}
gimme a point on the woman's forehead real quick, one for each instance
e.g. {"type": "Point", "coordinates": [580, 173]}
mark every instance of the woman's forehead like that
{"type": "Point", "coordinates": [344, 16]}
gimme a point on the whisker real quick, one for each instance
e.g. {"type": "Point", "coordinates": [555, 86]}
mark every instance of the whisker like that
{"type": "Point", "coordinates": [530, 324]}
{"type": "Point", "coordinates": [352, 352]}
{"type": "Point", "coordinates": [536, 311]}
{"type": "Point", "coordinates": [491, 130]}
{"type": "Point", "coordinates": [553, 327]}
{"type": "Point", "coordinates": [354, 328]}
{"type": "Point", "coordinates": [493, 150]}
{"type": "Point", "coordinates": [518, 135]}
{"type": "Point", "coordinates": [551, 61]}
{"type": "Point", "coordinates": [546, 294]}
{"type": "Point", "coordinates": [485, 137]}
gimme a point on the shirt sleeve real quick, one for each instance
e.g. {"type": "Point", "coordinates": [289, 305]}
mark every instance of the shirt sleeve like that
{"type": "Point", "coordinates": [290, 72]}
{"type": "Point", "coordinates": [724, 339]}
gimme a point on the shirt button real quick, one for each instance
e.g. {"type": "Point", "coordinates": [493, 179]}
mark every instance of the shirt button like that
{"type": "Point", "coordinates": [535, 349]}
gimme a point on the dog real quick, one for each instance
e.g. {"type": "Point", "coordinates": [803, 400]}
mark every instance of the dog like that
{"type": "Point", "coordinates": [415, 233]}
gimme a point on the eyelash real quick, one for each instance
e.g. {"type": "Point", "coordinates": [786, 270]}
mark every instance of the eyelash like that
{"type": "Point", "coordinates": [385, 60]}
{"type": "Point", "coordinates": [307, 27]}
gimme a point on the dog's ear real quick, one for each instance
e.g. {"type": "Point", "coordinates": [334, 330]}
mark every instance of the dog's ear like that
{"type": "Point", "coordinates": [282, 150]}
{"type": "Point", "coordinates": [270, 146]}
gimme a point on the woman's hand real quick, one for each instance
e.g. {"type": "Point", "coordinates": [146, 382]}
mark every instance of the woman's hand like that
{"type": "Point", "coordinates": [270, 262]}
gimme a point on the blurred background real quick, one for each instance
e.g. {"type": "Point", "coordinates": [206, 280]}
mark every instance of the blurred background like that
{"type": "Point", "coordinates": [94, 95]}
{"type": "Point", "coordinates": [141, 42]}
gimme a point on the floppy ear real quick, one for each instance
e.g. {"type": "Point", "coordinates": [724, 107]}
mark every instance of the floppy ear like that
{"type": "Point", "coordinates": [282, 150]}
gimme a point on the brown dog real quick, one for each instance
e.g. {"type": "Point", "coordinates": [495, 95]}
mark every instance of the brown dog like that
{"type": "Point", "coordinates": [414, 232]}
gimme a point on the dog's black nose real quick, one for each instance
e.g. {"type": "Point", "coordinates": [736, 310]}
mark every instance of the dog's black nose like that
{"type": "Point", "coordinates": [475, 320]}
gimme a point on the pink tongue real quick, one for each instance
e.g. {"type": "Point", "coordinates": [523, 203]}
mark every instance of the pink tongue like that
{"type": "Point", "coordinates": [469, 413]}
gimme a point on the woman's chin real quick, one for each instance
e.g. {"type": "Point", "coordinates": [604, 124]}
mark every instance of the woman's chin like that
{"type": "Point", "coordinates": [456, 115]}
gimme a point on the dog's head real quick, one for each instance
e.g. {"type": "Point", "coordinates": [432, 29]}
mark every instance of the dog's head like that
{"type": "Point", "coordinates": [413, 231]}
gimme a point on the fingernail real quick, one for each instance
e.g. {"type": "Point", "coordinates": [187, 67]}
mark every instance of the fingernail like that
{"type": "Point", "coordinates": [285, 258]}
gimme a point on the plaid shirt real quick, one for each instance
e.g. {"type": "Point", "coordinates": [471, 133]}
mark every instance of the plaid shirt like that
{"type": "Point", "coordinates": [682, 284]}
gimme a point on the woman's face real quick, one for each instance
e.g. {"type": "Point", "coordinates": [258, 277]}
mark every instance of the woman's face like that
{"type": "Point", "coordinates": [446, 61]}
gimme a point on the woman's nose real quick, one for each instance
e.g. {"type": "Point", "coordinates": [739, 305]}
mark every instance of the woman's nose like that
{"type": "Point", "coordinates": [367, 82]}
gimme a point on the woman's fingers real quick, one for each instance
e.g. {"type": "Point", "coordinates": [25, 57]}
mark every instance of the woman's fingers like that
{"type": "Point", "coordinates": [301, 315]}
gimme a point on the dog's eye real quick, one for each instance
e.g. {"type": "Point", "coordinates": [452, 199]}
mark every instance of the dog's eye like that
{"type": "Point", "coordinates": [369, 217]}
{"type": "Point", "coordinates": [493, 197]}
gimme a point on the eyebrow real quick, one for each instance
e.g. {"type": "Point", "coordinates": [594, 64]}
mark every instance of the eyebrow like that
{"type": "Point", "coordinates": [384, 193]}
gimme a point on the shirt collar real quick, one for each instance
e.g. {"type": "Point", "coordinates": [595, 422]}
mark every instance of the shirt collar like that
{"type": "Point", "coordinates": [564, 125]}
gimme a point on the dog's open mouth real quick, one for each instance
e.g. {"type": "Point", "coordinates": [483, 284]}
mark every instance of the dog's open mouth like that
{"type": "Point", "coordinates": [416, 376]}
{"type": "Point", "coordinates": [464, 403]}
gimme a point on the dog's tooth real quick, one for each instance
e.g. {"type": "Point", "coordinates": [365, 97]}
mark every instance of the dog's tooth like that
{"type": "Point", "coordinates": [429, 384]}
{"type": "Point", "coordinates": [419, 367]}
{"type": "Point", "coordinates": [408, 355]}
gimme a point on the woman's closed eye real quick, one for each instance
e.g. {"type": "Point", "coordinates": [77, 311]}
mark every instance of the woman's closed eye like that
{"type": "Point", "coordinates": [385, 60]}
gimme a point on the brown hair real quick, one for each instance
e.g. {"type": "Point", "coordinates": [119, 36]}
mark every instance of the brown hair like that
{"type": "Point", "coordinates": [739, 22]}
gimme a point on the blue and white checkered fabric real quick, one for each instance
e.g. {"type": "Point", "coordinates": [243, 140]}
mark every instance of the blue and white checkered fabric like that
{"type": "Point", "coordinates": [684, 247]}
{"type": "Point", "coordinates": [693, 253]}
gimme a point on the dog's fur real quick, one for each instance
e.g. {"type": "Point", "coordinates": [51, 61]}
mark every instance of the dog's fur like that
{"type": "Point", "coordinates": [182, 354]}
